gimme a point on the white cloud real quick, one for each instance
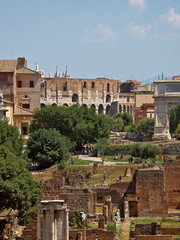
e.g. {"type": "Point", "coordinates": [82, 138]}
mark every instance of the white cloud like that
{"type": "Point", "coordinates": [137, 3]}
{"type": "Point", "coordinates": [100, 34]}
{"type": "Point", "coordinates": [171, 17]}
{"type": "Point", "coordinates": [139, 31]}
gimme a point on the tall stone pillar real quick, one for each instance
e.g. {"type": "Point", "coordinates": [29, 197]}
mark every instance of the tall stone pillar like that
{"type": "Point", "coordinates": [55, 220]}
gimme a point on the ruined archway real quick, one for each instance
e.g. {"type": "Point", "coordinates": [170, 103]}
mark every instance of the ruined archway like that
{"type": "Point", "coordinates": [75, 98]}
{"type": "Point", "coordinates": [100, 109]}
{"type": "Point", "coordinates": [166, 97]}
{"type": "Point", "coordinates": [43, 105]}
{"type": "Point", "coordinates": [108, 98]}
{"type": "Point", "coordinates": [108, 109]}
{"type": "Point", "coordinates": [93, 106]}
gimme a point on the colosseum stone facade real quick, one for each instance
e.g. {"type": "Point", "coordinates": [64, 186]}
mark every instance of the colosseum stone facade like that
{"type": "Point", "coordinates": [102, 93]}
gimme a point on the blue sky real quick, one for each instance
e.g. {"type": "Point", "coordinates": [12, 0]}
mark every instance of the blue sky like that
{"type": "Point", "coordinates": [118, 39]}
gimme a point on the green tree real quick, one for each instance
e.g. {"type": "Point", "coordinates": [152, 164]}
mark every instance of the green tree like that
{"type": "Point", "coordinates": [48, 147]}
{"type": "Point", "coordinates": [131, 128]}
{"type": "Point", "coordinates": [146, 126]}
{"type": "Point", "coordinates": [178, 129]}
{"type": "Point", "coordinates": [18, 190]}
{"type": "Point", "coordinates": [81, 124]}
{"type": "Point", "coordinates": [145, 150]}
{"type": "Point", "coordinates": [10, 137]}
{"type": "Point", "coordinates": [126, 117]}
{"type": "Point", "coordinates": [117, 124]}
{"type": "Point", "coordinates": [174, 119]}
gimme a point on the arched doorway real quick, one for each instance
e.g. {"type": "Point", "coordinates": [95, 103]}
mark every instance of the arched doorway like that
{"type": "Point", "coordinates": [54, 104]}
{"type": "Point", "coordinates": [124, 108]}
{"type": "Point", "coordinates": [120, 108]}
{"type": "Point", "coordinates": [84, 105]}
{"type": "Point", "coordinates": [128, 109]}
{"type": "Point", "coordinates": [75, 98]}
{"type": "Point", "coordinates": [65, 104]}
{"type": "Point", "coordinates": [100, 109]}
{"type": "Point", "coordinates": [166, 97]}
{"type": "Point", "coordinates": [108, 109]}
{"type": "Point", "coordinates": [43, 105]}
{"type": "Point", "coordinates": [108, 98]}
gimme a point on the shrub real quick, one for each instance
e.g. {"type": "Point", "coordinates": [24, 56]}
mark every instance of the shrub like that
{"type": "Point", "coordinates": [144, 150]}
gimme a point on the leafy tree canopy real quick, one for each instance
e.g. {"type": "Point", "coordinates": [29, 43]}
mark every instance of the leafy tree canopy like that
{"type": "Point", "coordinates": [146, 126]}
{"type": "Point", "coordinates": [10, 137]}
{"type": "Point", "coordinates": [131, 128]}
{"type": "Point", "coordinates": [174, 119]}
{"type": "Point", "coordinates": [145, 150]}
{"type": "Point", "coordinates": [18, 190]}
{"type": "Point", "coordinates": [48, 147]}
{"type": "Point", "coordinates": [117, 124]}
{"type": "Point", "coordinates": [126, 117]}
{"type": "Point", "coordinates": [81, 124]}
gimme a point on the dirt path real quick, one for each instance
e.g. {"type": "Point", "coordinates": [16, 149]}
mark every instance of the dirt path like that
{"type": "Point", "coordinates": [125, 226]}
{"type": "Point", "coordinates": [99, 160]}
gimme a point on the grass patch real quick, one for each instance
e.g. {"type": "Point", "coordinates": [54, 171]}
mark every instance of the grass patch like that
{"type": "Point", "coordinates": [165, 223]}
{"type": "Point", "coordinates": [82, 162]}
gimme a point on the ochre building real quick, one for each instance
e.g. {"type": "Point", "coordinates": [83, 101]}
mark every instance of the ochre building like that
{"type": "Point", "coordinates": [20, 87]}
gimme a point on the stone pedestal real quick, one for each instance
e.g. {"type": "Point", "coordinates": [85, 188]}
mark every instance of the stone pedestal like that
{"type": "Point", "coordinates": [95, 168]}
{"type": "Point", "coordinates": [52, 220]}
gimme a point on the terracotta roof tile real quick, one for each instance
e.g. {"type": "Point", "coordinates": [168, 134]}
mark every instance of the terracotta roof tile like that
{"type": "Point", "coordinates": [8, 65]}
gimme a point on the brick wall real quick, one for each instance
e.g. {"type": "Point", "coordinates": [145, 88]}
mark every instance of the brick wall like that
{"type": "Point", "coordinates": [151, 192]}
{"type": "Point", "coordinates": [172, 181]}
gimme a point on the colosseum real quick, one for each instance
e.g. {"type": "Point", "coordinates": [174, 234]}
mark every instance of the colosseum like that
{"type": "Point", "coordinates": [102, 93]}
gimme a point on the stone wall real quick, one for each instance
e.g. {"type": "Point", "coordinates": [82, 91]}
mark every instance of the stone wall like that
{"type": "Point", "coordinates": [92, 234]}
{"type": "Point", "coordinates": [172, 181]}
{"type": "Point", "coordinates": [151, 193]}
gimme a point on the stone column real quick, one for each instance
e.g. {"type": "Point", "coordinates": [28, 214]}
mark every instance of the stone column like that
{"type": "Point", "coordinates": [55, 220]}
{"type": "Point", "coordinates": [83, 226]}
{"type": "Point", "coordinates": [38, 225]}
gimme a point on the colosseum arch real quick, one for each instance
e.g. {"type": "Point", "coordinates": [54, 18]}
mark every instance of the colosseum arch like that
{"type": "Point", "coordinates": [75, 98]}
{"type": "Point", "coordinates": [84, 105]}
{"type": "Point", "coordinates": [43, 105]}
{"type": "Point", "coordinates": [124, 108]}
{"type": "Point", "coordinates": [108, 98]}
{"type": "Point", "coordinates": [65, 104]}
{"type": "Point", "coordinates": [166, 97]}
{"type": "Point", "coordinates": [54, 104]}
{"type": "Point", "coordinates": [128, 109]}
{"type": "Point", "coordinates": [100, 109]}
{"type": "Point", "coordinates": [93, 106]}
{"type": "Point", "coordinates": [120, 108]}
{"type": "Point", "coordinates": [108, 109]}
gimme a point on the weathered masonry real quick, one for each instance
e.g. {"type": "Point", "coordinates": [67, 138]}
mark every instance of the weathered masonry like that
{"type": "Point", "coordinates": [166, 97]}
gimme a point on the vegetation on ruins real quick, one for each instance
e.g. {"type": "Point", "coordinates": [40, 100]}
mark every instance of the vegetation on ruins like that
{"type": "Point", "coordinates": [80, 124]}
{"type": "Point", "coordinates": [11, 138]}
{"type": "Point", "coordinates": [174, 119]}
{"type": "Point", "coordinates": [18, 190]}
{"type": "Point", "coordinates": [131, 128]}
{"type": "Point", "coordinates": [145, 150]}
{"type": "Point", "coordinates": [48, 147]}
{"type": "Point", "coordinates": [120, 120]}
{"type": "Point", "coordinates": [146, 126]}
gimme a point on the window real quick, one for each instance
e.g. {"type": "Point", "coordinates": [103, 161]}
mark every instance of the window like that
{"type": "Point", "coordinates": [65, 86]}
{"type": "Point", "coordinates": [150, 115]}
{"type": "Point", "coordinates": [19, 84]}
{"type": "Point", "coordinates": [24, 128]}
{"type": "Point", "coordinates": [93, 84]}
{"type": "Point", "coordinates": [107, 87]}
{"type": "Point", "coordinates": [84, 84]}
{"type": "Point", "coordinates": [31, 84]}
{"type": "Point", "coordinates": [25, 105]}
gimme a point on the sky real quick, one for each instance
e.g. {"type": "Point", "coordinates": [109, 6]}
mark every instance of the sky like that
{"type": "Point", "coordinates": [116, 39]}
